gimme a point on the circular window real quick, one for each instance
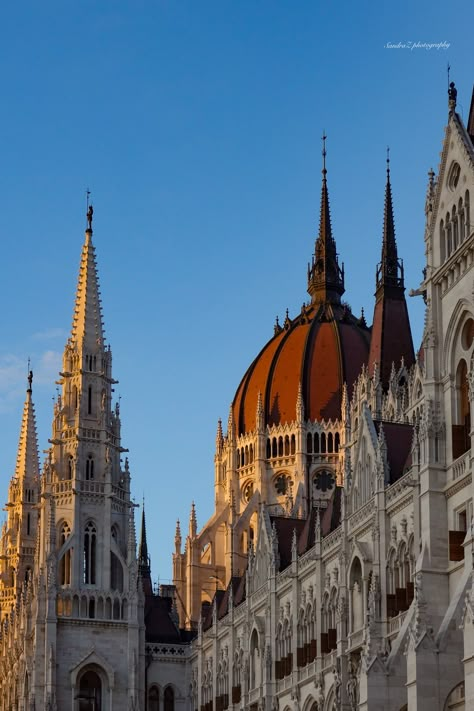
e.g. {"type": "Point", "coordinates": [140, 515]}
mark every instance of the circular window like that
{"type": "Point", "coordinates": [247, 491]}
{"type": "Point", "coordinates": [323, 481]}
{"type": "Point", "coordinates": [467, 336]}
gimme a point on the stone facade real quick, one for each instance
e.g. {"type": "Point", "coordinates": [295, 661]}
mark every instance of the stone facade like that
{"type": "Point", "coordinates": [336, 572]}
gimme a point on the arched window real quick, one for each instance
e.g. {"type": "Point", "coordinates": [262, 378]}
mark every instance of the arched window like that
{"type": "Point", "coordinates": [316, 443]}
{"type": "Point", "coordinates": [462, 221]}
{"type": "Point", "coordinates": [293, 444]}
{"type": "Point", "coordinates": [461, 430]}
{"type": "Point", "coordinates": [90, 467]}
{"type": "Point", "coordinates": [287, 446]}
{"type": "Point", "coordinates": [65, 562]}
{"type": "Point", "coordinates": [455, 228]}
{"type": "Point", "coordinates": [449, 238]}
{"type": "Point", "coordinates": [330, 443]}
{"type": "Point", "coordinates": [467, 217]}
{"type": "Point", "coordinates": [336, 442]}
{"type": "Point", "coordinates": [323, 443]}
{"type": "Point", "coordinates": [442, 241]}
{"type": "Point", "coordinates": [70, 466]}
{"type": "Point", "coordinates": [309, 443]}
{"type": "Point", "coordinates": [154, 699]}
{"type": "Point", "coordinates": [90, 542]}
{"type": "Point", "coordinates": [274, 447]}
{"type": "Point", "coordinates": [169, 699]}
{"type": "Point", "coordinates": [89, 400]}
{"type": "Point", "coordinates": [90, 692]}
{"type": "Point", "coordinates": [269, 449]}
{"type": "Point", "coordinates": [280, 446]}
{"type": "Point", "coordinates": [116, 573]}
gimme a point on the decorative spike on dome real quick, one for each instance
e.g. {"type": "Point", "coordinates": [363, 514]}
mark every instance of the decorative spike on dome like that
{"type": "Point", "coordinates": [325, 276]}
{"type": "Point", "coordinates": [299, 404]}
{"type": "Point", "coordinates": [277, 328]}
{"type": "Point", "coordinates": [260, 416]}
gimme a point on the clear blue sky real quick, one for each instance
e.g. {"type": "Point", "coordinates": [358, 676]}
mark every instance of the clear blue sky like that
{"type": "Point", "coordinates": [197, 127]}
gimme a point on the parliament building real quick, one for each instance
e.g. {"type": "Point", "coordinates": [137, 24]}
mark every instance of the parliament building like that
{"type": "Point", "coordinates": [337, 570]}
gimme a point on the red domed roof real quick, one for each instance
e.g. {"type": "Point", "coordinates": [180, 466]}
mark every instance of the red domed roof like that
{"type": "Point", "coordinates": [322, 348]}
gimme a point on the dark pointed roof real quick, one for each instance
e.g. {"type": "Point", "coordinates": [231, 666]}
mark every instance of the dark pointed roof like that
{"type": "Point", "coordinates": [390, 269]}
{"type": "Point", "coordinates": [391, 338]}
{"type": "Point", "coordinates": [143, 558]}
{"type": "Point", "coordinates": [325, 276]}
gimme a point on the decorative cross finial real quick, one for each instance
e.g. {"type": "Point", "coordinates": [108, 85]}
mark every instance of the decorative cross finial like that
{"type": "Point", "coordinates": [323, 138]}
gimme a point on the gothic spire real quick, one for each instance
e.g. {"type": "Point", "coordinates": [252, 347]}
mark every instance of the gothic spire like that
{"type": "Point", "coordinates": [87, 331]}
{"type": "Point", "coordinates": [391, 334]}
{"type": "Point", "coordinates": [144, 569]}
{"type": "Point", "coordinates": [27, 461]}
{"type": "Point", "coordinates": [325, 276]}
{"type": "Point", "coordinates": [390, 269]}
{"type": "Point", "coordinates": [143, 557]}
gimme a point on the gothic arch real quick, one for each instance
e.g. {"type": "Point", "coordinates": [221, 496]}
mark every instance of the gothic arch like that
{"type": "Point", "coordinates": [461, 312]}
{"type": "Point", "coordinates": [95, 663]}
{"type": "Point", "coordinates": [308, 703]}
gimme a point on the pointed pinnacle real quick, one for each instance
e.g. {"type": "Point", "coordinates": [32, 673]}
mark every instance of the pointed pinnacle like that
{"type": "Point", "coordinates": [27, 462]}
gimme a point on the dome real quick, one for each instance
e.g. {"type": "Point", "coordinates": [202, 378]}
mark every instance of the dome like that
{"type": "Point", "coordinates": [322, 348]}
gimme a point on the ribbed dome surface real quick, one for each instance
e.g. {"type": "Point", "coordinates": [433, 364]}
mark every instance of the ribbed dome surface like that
{"type": "Point", "coordinates": [321, 348]}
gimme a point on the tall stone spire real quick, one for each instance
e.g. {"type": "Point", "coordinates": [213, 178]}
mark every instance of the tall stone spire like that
{"type": "Point", "coordinates": [20, 530]}
{"type": "Point", "coordinates": [87, 331]}
{"type": "Point", "coordinates": [325, 276]}
{"type": "Point", "coordinates": [27, 462]}
{"type": "Point", "coordinates": [391, 339]}
{"type": "Point", "coordinates": [144, 568]}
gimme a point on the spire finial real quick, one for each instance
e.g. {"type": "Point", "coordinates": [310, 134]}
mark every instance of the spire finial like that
{"type": "Point", "coordinates": [30, 377]}
{"type": "Point", "coordinates": [452, 96]}
{"type": "Point", "coordinates": [323, 138]}
{"type": "Point", "coordinates": [388, 163]}
{"type": "Point", "coordinates": [90, 214]}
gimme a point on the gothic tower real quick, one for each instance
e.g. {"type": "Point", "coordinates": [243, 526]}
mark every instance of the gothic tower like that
{"type": "Point", "coordinates": [87, 545]}
{"type": "Point", "coordinates": [19, 531]}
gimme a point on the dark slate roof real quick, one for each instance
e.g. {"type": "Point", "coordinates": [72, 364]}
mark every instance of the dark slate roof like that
{"type": "Point", "coordinates": [399, 438]}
